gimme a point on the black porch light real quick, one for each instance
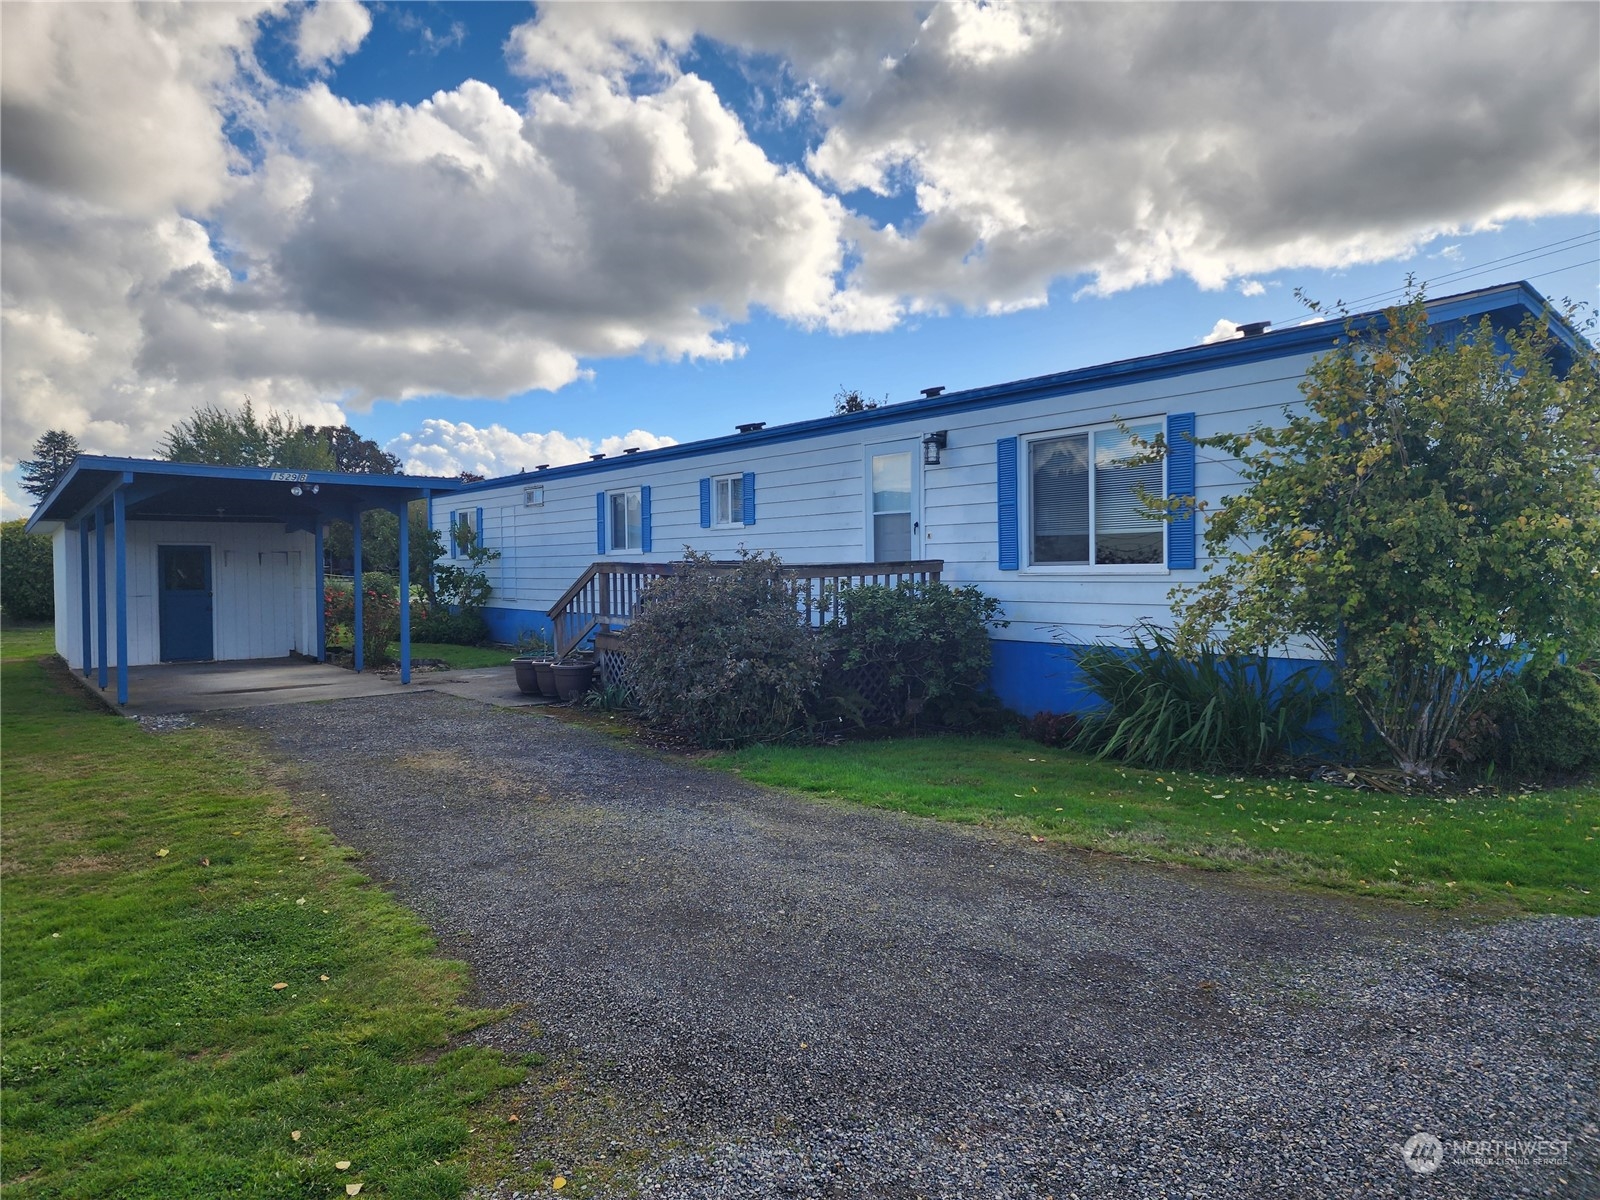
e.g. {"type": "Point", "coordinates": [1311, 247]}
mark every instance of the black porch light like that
{"type": "Point", "coordinates": [932, 444]}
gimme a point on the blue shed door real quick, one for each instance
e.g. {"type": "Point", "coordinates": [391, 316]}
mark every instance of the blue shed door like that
{"type": "Point", "coordinates": [185, 603]}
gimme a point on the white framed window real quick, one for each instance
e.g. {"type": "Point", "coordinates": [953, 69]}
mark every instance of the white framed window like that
{"type": "Point", "coordinates": [625, 523]}
{"type": "Point", "coordinates": [727, 500]}
{"type": "Point", "coordinates": [1085, 498]}
{"type": "Point", "coordinates": [466, 531]}
{"type": "Point", "coordinates": [894, 524]}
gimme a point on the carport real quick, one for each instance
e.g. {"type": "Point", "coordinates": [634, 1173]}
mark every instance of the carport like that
{"type": "Point", "coordinates": [178, 562]}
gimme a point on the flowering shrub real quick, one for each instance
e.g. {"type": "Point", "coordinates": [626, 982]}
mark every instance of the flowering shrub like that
{"type": "Point", "coordinates": [380, 614]}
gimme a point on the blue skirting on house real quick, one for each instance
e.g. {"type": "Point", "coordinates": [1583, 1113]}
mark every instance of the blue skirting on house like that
{"type": "Point", "coordinates": [1028, 677]}
{"type": "Point", "coordinates": [511, 625]}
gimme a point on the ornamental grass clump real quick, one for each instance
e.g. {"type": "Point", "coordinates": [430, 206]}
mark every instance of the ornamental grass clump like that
{"type": "Point", "coordinates": [1202, 707]}
{"type": "Point", "coordinates": [721, 654]}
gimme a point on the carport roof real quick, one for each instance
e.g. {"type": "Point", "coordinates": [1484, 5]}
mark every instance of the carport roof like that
{"type": "Point", "coordinates": [155, 489]}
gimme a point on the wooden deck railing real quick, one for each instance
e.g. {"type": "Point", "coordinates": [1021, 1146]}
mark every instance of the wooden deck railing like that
{"type": "Point", "coordinates": [602, 600]}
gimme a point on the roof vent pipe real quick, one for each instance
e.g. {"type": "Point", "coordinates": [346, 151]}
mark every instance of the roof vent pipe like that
{"type": "Point", "coordinates": [751, 427]}
{"type": "Point", "coordinates": [930, 393]}
{"type": "Point", "coordinates": [631, 450]}
{"type": "Point", "coordinates": [1253, 328]}
{"type": "Point", "coordinates": [596, 457]}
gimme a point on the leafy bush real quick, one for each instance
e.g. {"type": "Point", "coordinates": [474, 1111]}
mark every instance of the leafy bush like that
{"type": "Point", "coordinates": [462, 593]}
{"type": "Point", "coordinates": [1549, 725]}
{"type": "Point", "coordinates": [1207, 709]}
{"type": "Point", "coordinates": [27, 574]}
{"type": "Point", "coordinates": [720, 653]}
{"type": "Point", "coordinates": [439, 624]}
{"type": "Point", "coordinates": [925, 644]}
{"type": "Point", "coordinates": [1051, 728]}
{"type": "Point", "coordinates": [380, 614]}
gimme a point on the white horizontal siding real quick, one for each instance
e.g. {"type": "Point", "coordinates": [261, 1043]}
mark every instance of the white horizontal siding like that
{"type": "Point", "coordinates": [811, 506]}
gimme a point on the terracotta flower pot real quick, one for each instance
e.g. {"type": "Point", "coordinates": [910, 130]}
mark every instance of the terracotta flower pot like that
{"type": "Point", "coordinates": [572, 679]}
{"type": "Point", "coordinates": [544, 668]}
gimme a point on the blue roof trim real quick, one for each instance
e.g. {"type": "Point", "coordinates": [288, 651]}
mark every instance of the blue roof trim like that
{"type": "Point", "coordinates": [1282, 343]}
{"type": "Point", "coordinates": [89, 465]}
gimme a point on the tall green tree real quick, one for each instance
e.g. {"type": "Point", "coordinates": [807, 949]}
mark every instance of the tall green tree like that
{"type": "Point", "coordinates": [27, 574]}
{"type": "Point", "coordinates": [1429, 518]}
{"type": "Point", "coordinates": [380, 543]}
{"type": "Point", "coordinates": [238, 438]}
{"type": "Point", "coordinates": [353, 453]}
{"type": "Point", "coordinates": [53, 455]}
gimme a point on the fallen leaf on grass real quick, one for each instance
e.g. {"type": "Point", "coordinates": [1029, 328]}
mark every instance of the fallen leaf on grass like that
{"type": "Point", "coordinates": [163, 852]}
{"type": "Point", "coordinates": [342, 1165]}
{"type": "Point", "coordinates": [513, 1119]}
{"type": "Point", "coordinates": [295, 1134]}
{"type": "Point", "coordinates": [559, 1182]}
{"type": "Point", "coordinates": [352, 1189]}
{"type": "Point", "coordinates": [324, 978]}
{"type": "Point", "coordinates": [278, 987]}
{"type": "Point", "coordinates": [205, 862]}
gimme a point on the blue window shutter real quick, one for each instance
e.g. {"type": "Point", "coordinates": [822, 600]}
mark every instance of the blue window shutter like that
{"type": "Point", "coordinates": [1180, 483]}
{"type": "Point", "coordinates": [1005, 473]}
{"type": "Point", "coordinates": [452, 533]}
{"type": "Point", "coordinates": [644, 519]}
{"type": "Point", "coordinates": [478, 527]}
{"type": "Point", "coordinates": [748, 490]}
{"type": "Point", "coordinates": [600, 522]}
{"type": "Point", "coordinates": [705, 504]}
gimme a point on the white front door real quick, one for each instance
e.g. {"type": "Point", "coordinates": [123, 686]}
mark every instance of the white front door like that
{"type": "Point", "coordinates": [894, 502]}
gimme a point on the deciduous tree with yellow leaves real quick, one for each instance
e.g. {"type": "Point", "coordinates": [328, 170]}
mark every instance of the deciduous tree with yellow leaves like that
{"type": "Point", "coordinates": [1429, 518]}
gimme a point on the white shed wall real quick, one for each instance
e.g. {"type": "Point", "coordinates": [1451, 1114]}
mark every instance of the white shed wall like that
{"type": "Point", "coordinates": [263, 590]}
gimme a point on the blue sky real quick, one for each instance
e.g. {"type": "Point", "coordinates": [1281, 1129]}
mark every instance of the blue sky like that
{"type": "Point", "coordinates": [490, 235]}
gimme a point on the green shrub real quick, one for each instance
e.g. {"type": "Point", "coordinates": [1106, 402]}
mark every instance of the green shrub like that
{"type": "Point", "coordinates": [922, 647]}
{"type": "Point", "coordinates": [439, 624]}
{"type": "Point", "coordinates": [27, 574]}
{"type": "Point", "coordinates": [721, 653]}
{"type": "Point", "coordinates": [380, 614]}
{"type": "Point", "coordinates": [1208, 709]}
{"type": "Point", "coordinates": [461, 594]}
{"type": "Point", "coordinates": [1549, 725]}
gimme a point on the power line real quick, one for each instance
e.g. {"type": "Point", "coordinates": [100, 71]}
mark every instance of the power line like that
{"type": "Point", "coordinates": [1491, 266]}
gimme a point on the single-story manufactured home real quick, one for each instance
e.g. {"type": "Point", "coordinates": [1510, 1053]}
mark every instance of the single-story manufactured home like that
{"type": "Point", "coordinates": [1030, 490]}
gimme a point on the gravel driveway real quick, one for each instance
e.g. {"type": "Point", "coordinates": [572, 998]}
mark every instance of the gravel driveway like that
{"type": "Point", "coordinates": [777, 997]}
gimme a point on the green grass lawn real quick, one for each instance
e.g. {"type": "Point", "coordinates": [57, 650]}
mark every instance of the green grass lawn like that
{"type": "Point", "coordinates": [459, 658]}
{"type": "Point", "coordinates": [27, 640]}
{"type": "Point", "coordinates": [201, 995]}
{"type": "Point", "coordinates": [1535, 853]}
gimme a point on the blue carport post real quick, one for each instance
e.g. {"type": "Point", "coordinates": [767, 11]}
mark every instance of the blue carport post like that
{"type": "Point", "coordinates": [100, 516]}
{"type": "Point", "coordinates": [405, 593]}
{"type": "Point", "coordinates": [322, 594]}
{"type": "Point", "coordinates": [355, 537]}
{"type": "Point", "coordinates": [120, 504]}
{"type": "Point", "coordinates": [87, 656]}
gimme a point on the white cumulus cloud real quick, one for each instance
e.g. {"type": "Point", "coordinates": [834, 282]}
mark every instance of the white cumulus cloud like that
{"type": "Point", "coordinates": [329, 31]}
{"type": "Point", "coordinates": [441, 447]}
